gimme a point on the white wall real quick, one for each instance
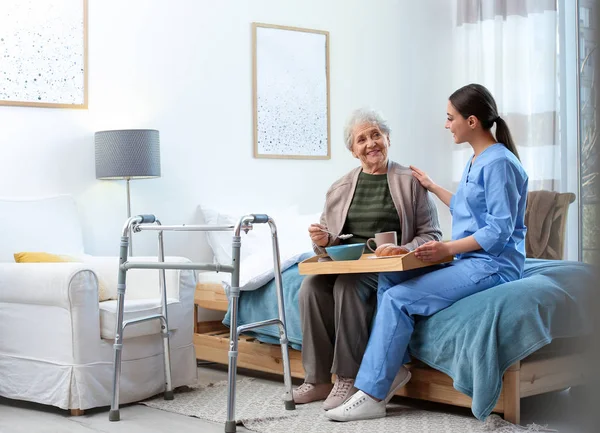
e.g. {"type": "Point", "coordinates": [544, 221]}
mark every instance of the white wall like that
{"type": "Point", "coordinates": [184, 68]}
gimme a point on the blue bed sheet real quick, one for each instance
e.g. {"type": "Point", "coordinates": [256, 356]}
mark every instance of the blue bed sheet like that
{"type": "Point", "coordinates": [261, 304]}
{"type": "Point", "coordinates": [475, 340]}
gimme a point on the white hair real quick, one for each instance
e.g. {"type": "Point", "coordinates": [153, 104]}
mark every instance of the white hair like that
{"type": "Point", "coordinates": [361, 116]}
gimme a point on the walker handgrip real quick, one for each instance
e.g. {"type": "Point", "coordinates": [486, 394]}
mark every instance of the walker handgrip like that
{"type": "Point", "coordinates": [260, 218]}
{"type": "Point", "coordinates": [147, 219]}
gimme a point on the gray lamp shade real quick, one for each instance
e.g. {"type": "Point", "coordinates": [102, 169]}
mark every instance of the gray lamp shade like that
{"type": "Point", "coordinates": [127, 154]}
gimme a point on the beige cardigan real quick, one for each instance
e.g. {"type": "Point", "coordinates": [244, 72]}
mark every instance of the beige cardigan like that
{"type": "Point", "coordinates": [418, 215]}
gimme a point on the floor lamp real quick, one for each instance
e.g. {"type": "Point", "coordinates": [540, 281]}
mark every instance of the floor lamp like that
{"type": "Point", "coordinates": [127, 154]}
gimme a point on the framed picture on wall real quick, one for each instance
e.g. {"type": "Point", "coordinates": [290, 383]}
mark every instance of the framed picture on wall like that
{"type": "Point", "coordinates": [290, 92]}
{"type": "Point", "coordinates": [43, 53]}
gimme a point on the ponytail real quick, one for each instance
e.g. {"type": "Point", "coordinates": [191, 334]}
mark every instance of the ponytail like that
{"type": "Point", "coordinates": [476, 100]}
{"type": "Point", "coordinates": [504, 136]}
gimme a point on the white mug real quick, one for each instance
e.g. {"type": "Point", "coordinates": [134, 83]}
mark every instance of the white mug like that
{"type": "Point", "coordinates": [383, 238]}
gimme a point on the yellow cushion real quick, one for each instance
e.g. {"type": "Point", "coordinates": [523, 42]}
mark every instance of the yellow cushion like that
{"type": "Point", "coordinates": [29, 257]}
{"type": "Point", "coordinates": [39, 257]}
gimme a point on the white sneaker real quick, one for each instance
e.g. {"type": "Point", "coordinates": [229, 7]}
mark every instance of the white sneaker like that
{"type": "Point", "coordinates": [359, 406]}
{"type": "Point", "coordinates": [400, 380]}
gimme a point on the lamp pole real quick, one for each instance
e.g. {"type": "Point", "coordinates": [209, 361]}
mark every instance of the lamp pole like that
{"type": "Point", "coordinates": [129, 216]}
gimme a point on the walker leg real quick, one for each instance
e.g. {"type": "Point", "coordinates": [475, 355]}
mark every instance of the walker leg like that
{"type": "Point", "coordinates": [230, 424]}
{"type": "Point", "coordinates": [114, 414]}
{"type": "Point", "coordinates": [168, 395]}
{"type": "Point", "coordinates": [232, 370]}
{"type": "Point", "coordinates": [283, 340]}
{"type": "Point", "coordinates": [230, 427]}
{"type": "Point", "coordinates": [288, 397]}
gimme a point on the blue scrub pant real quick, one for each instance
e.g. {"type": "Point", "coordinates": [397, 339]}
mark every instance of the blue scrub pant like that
{"type": "Point", "coordinates": [400, 297]}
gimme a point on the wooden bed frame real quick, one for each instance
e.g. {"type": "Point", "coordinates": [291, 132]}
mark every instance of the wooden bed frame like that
{"type": "Point", "coordinates": [540, 373]}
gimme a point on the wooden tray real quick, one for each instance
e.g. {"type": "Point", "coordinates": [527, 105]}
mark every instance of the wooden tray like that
{"type": "Point", "coordinates": [367, 263]}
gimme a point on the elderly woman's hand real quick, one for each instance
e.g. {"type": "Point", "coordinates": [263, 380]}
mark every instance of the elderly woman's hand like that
{"type": "Point", "coordinates": [432, 251]}
{"type": "Point", "coordinates": [423, 178]}
{"type": "Point", "coordinates": [317, 235]}
{"type": "Point", "coordinates": [385, 250]}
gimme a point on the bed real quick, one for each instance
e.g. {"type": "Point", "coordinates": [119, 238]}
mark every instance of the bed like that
{"type": "Point", "coordinates": [485, 352]}
{"type": "Point", "coordinates": [548, 356]}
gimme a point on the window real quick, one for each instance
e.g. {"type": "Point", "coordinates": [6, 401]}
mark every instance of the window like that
{"type": "Point", "coordinates": [588, 132]}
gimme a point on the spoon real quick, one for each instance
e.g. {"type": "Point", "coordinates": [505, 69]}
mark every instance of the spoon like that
{"type": "Point", "coordinates": [342, 237]}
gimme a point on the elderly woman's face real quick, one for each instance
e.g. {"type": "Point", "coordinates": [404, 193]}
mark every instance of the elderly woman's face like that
{"type": "Point", "coordinates": [370, 145]}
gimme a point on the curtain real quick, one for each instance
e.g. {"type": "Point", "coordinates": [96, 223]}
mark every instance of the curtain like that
{"type": "Point", "coordinates": [510, 46]}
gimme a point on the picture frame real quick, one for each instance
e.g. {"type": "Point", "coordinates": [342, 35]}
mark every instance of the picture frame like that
{"type": "Point", "coordinates": [43, 45]}
{"type": "Point", "coordinates": [290, 92]}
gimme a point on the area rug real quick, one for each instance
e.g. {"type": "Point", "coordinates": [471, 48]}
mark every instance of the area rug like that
{"type": "Point", "coordinates": [259, 407]}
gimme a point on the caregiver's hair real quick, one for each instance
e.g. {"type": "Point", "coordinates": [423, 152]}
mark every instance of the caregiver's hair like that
{"type": "Point", "coordinates": [476, 100]}
{"type": "Point", "coordinates": [361, 116]}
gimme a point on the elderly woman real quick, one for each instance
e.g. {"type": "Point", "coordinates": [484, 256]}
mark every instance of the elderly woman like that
{"type": "Point", "coordinates": [336, 310]}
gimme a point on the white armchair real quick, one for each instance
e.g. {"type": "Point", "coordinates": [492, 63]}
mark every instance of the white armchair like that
{"type": "Point", "coordinates": [56, 345]}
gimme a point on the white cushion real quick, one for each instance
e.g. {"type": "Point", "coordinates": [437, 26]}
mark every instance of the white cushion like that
{"type": "Point", "coordinates": [252, 243]}
{"type": "Point", "coordinates": [256, 262]}
{"type": "Point", "coordinates": [48, 225]}
{"type": "Point", "coordinates": [136, 308]}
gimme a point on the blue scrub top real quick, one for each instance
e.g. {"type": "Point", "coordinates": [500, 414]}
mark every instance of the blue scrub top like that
{"type": "Point", "coordinates": [490, 205]}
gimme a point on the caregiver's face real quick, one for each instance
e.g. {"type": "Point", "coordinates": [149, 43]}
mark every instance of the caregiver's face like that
{"type": "Point", "coordinates": [458, 125]}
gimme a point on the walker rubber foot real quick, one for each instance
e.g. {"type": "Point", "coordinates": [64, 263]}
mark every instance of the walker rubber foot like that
{"type": "Point", "coordinates": [169, 395]}
{"type": "Point", "coordinates": [114, 415]}
{"type": "Point", "coordinates": [230, 426]}
{"type": "Point", "coordinates": [290, 405]}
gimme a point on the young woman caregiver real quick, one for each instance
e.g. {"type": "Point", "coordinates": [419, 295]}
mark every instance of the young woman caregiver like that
{"type": "Point", "coordinates": [488, 242]}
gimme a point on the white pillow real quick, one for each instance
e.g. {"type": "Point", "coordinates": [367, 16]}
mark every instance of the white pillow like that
{"type": "Point", "coordinates": [256, 261]}
{"type": "Point", "coordinates": [293, 233]}
{"type": "Point", "coordinates": [253, 242]}
{"type": "Point", "coordinates": [295, 245]}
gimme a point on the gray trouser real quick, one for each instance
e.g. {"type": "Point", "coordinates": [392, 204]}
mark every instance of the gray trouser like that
{"type": "Point", "coordinates": [336, 313]}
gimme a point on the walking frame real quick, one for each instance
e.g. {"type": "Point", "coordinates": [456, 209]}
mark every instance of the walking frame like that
{"type": "Point", "coordinates": [140, 223]}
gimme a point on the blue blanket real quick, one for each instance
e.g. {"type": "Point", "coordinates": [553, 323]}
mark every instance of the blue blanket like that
{"type": "Point", "coordinates": [261, 304]}
{"type": "Point", "coordinates": [475, 340]}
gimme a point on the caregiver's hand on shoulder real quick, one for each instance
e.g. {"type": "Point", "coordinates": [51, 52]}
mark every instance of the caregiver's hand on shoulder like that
{"type": "Point", "coordinates": [422, 177]}
{"type": "Point", "coordinates": [317, 235]}
{"type": "Point", "coordinates": [432, 251]}
{"type": "Point", "coordinates": [385, 250]}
